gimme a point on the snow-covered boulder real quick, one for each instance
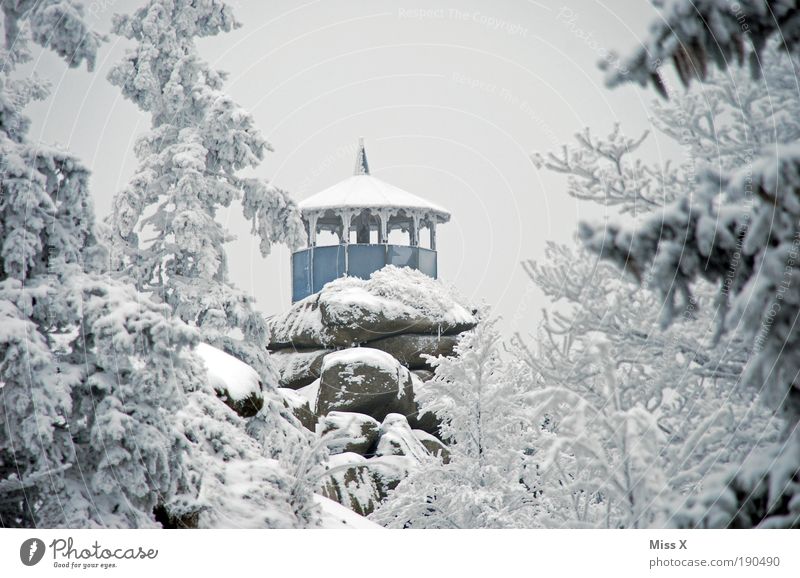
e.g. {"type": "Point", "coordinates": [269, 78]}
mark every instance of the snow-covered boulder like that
{"type": "Point", "coordinates": [237, 384]}
{"type": "Point", "coordinates": [409, 348]}
{"type": "Point", "coordinates": [352, 484]}
{"type": "Point", "coordinates": [364, 380]}
{"type": "Point", "coordinates": [351, 311]}
{"type": "Point", "coordinates": [431, 443]}
{"type": "Point", "coordinates": [397, 439]}
{"type": "Point", "coordinates": [349, 432]}
{"type": "Point", "coordinates": [298, 368]}
{"type": "Point", "coordinates": [299, 406]}
{"type": "Point", "coordinates": [362, 482]}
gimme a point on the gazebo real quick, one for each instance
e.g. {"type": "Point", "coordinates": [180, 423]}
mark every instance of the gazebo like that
{"type": "Point", "coordinates": [369, 209]}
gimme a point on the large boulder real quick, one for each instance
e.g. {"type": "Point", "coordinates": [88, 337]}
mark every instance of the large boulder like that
{"type": "Point", "coordinates": [349, 432]}
{"type": "Point", "coordinates": [297, 369]}
{"type": "Point", "coordinates": [364, 380]}
{"type": "Point", "coordinates": [351, 311]}
{"type": "Point", "coordinates": [409, 348]}
{"type": "Point", "coordinates": [361, 484]}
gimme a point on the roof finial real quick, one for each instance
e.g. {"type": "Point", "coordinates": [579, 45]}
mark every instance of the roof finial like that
{"type": "Point", "coordinates": [362, 166]}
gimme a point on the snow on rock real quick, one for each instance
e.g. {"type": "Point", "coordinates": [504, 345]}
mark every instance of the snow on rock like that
{"type": "Point", "coordinates": [298, 368]}
{"type": "Point", "coordinates": [236, 382]}
{"type": "Point", "coordinates": [352, 484]}
{"type": "Point", "coordinates": [310, 393]}
{"type": "Point", "coordinates": [337, 517]}
{"type": "Point", "coordinates": [397, 439]}
{"type": "Point", "coordinates": [431, 443]}
{"type": "Point", "coordinates": [360, 482]}
{"type": "Point", "coordinates": [349, 432]}
{"type": "Point", "coordinates": [392, 301]}
{"type": "Point", "coordinates": [362, 356]}
{"type": "Point", "coordinates": [299, 406]}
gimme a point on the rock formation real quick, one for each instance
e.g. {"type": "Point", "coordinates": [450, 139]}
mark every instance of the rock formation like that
{"type": "Point", "coordinates": [350, 359]}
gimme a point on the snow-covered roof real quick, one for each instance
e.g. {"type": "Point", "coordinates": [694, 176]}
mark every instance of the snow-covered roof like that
{"type": "Point", "coordinates": [363, 191]}
{"type": "Point", "coordinates": [367, 192]}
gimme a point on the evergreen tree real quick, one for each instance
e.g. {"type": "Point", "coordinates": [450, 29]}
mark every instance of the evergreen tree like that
{"type": "Point", "coordinates": [107, 417]}
{"type": "Point", "coordinates": [189, 162]}
{"type": "Point", "coordinates": [697, 35]}
{"type": "Point", "coordinates": [686, 386]}
{"type": "Point", "coordinates": [200, 139]}
{"type": "Point", "coordinates": [738, 229]}
{"type": "Point", "coordinates": [488, 479]}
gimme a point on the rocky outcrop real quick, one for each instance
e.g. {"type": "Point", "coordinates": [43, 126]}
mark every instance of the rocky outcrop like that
{"type": "Point", "coordinates": [236, 383]}
{"type": "Point", "coordinates": [397, 439]}
{"type": "Point", "coordinates": [351, 311]}
{"type": "Point", "coordinates": [352, 484]}
{"type": "Point", "coordinates": [352, 360]}
{"type": "Point", "coordinates": [361, 481]}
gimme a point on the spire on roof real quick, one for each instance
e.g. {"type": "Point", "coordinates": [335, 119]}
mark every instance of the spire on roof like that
{"type": "Point", "coordinates": [362, 166]}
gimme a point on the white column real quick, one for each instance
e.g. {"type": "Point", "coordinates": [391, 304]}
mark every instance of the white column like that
{"type": "Point", "coordinates": [432, 222]}
{"type": "Point", "coordinates": [383, 227]}
{"type": "Point", "coordinates": [414, 229]}
{"type": "Point", "coordinates": [346, 217]}
{"type": "Point", "coordinates": [312, 229]}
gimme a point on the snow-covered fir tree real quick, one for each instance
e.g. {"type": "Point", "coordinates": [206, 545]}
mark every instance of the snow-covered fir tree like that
{"type": "Point", "coordinates": [108, 418]}
{"type": "Point", "coordinates": [679, 381]}
{"type": "Point", "coordinates": [488, 479]}
{"type": "Point", "coordinates": [738, 229]}
{"type": "Point", "coordinates": [694, 36]}
{"type": "Point", "coordinates": [165, 236]}
{"type": "Point", "coordinates": [165, 233]}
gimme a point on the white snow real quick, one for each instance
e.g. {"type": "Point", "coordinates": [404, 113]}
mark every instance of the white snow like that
{"type": "Point", "coordinates": [294, 399]}
{"type": "Point", "coordinates": [362, 356]}
{"type": "Point", "coordinates": [337, 517]}
{"type": "Point", "coordinates": [225, 372]}
{"type": "Point", "coordinates": [292, 363]}
{"type": "Point", "coordinates": [309, 393]}
{"type": "Point", "coordinates": [350, 424]}
{"type": "Point", "coordinates": [368, 192]}
{"type": "Point", "coordinates": [394, 294]}
{"type": "Point", "coordinates": [397, 438]}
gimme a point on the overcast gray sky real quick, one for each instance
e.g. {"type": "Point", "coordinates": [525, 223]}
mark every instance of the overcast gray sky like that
{"type": "Point", "coordinates": [451, 98]}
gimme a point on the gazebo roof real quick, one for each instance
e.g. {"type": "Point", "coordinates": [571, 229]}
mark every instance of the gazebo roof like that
{"type": "Point", "coordinates": [367, 192]}
{"type": "Point", "coordinates": [363, 191]}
